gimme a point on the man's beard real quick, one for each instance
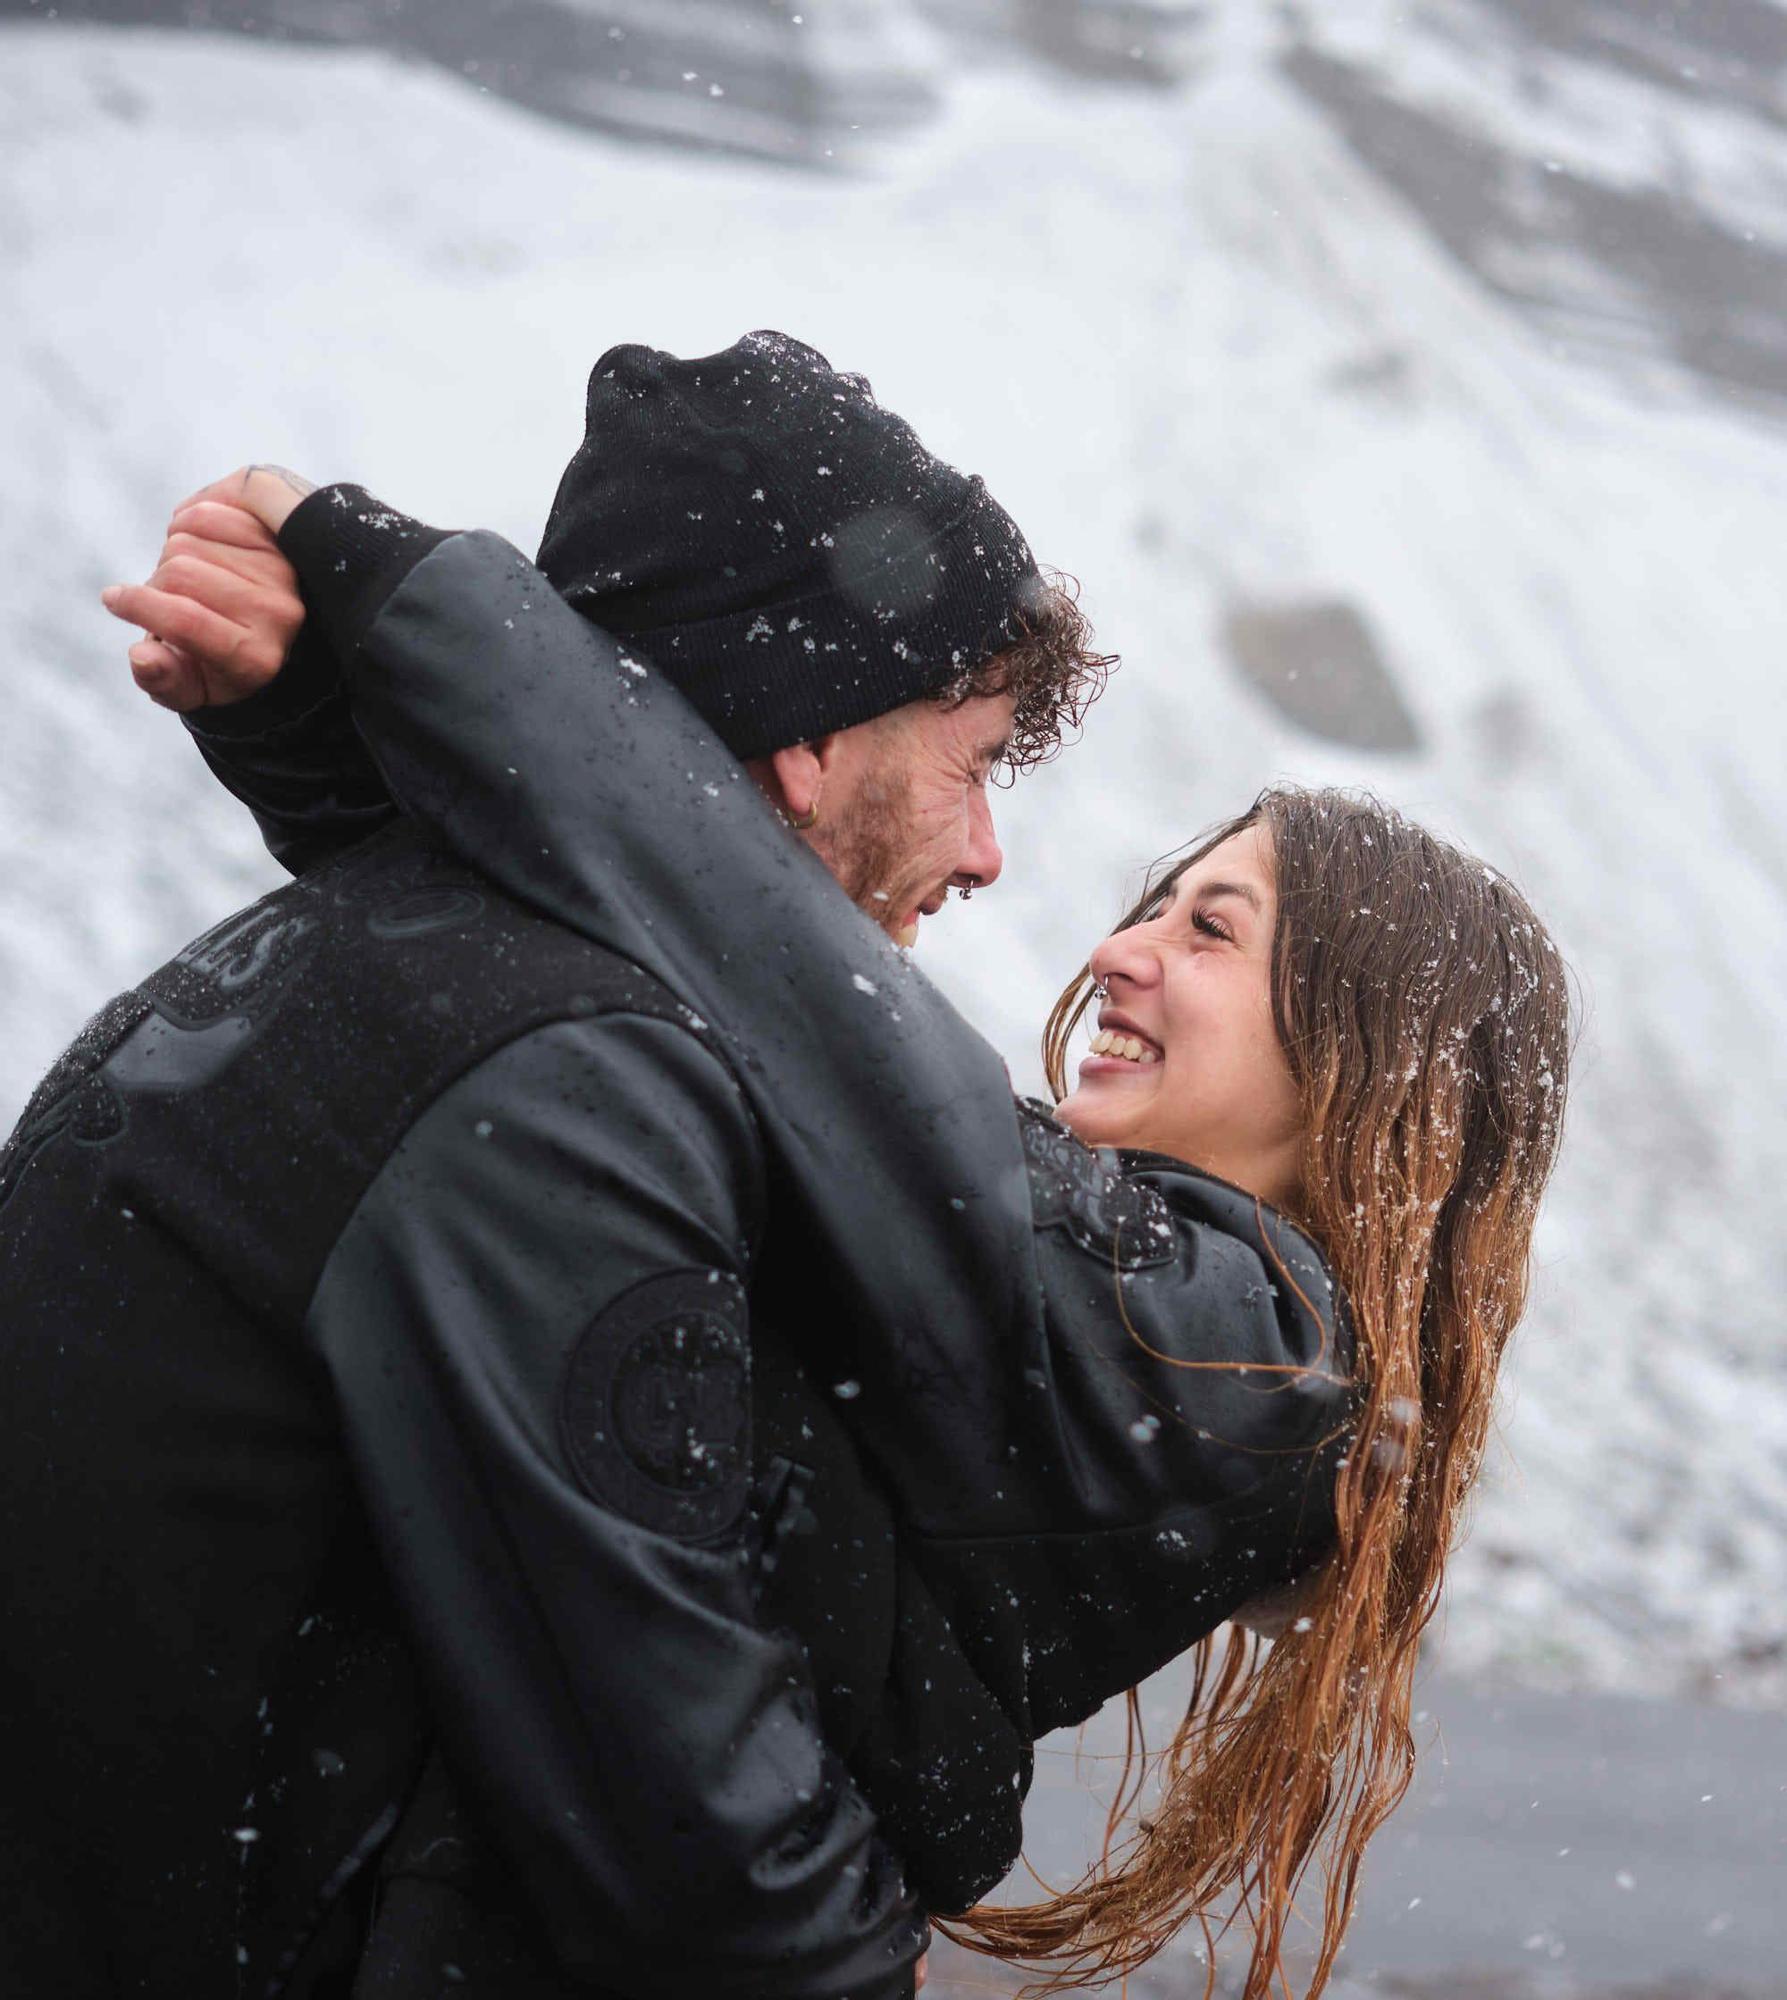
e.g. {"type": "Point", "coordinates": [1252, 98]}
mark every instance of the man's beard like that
{"type": "Point", "coordinates": [866, 847]}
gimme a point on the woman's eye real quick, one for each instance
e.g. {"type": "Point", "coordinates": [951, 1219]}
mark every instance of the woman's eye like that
{"type": "Point", "coordinates": [1211, 926]}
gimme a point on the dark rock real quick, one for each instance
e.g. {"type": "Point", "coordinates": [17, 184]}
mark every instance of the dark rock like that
{"type": "Point", "coordinates": [1135, 41]}
{"type": "Point", "coordinates": [1316, 661]}
{"type": "Point", "coordinates": [728, 75]}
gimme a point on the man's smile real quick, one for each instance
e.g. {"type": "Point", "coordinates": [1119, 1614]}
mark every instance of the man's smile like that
{"type": "Point", "coordinates": [905, 935]}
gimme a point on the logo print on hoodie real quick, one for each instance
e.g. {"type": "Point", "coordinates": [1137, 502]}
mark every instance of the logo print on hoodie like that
{"type": "Point", "coordinates": [655, 1414]}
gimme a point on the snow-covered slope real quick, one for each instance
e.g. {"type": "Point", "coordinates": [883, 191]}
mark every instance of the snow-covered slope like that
{"type": "Point", "coordinates": [1616, 170]}
{"type": "Point", "coordinates": [1221, 366]}
{"type": "Point", "coordinates": [780, 79]}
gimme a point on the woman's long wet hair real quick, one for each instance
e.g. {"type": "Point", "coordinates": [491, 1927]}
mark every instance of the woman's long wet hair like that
{"type": "Point", "coordinates": [1425, 1016]}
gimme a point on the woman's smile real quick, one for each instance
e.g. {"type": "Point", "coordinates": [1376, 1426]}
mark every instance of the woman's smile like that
{"type": "Point", "coordinates": [1120, 1045]}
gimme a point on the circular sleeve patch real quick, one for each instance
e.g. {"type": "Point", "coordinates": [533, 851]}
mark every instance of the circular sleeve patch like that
{"type": "Point", "coordinates": [655, 1414]}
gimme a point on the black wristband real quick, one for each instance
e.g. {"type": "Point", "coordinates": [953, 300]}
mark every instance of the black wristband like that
{"type": "Point", "coordinates": [308, 681]}
{"type": "Point", "coordinates": [351, 552]}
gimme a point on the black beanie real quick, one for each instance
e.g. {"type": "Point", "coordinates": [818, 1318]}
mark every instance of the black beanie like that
{"type": "Point", "coordinates": [776, 543]}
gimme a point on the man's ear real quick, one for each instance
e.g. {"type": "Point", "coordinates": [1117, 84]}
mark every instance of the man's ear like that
{"type": "Point", "coordinates": [795, 778]}
{"type": "Point", "coordinates": [791, 778]}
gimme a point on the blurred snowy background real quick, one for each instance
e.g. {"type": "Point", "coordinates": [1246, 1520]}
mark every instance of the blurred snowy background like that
{"type": "Point", "coordinates": [1406, 383]}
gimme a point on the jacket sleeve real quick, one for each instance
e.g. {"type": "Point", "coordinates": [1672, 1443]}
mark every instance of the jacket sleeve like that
{"type": "Point", "coordinates": [537, 1331]}
{"type": "Point", "coordinates": [290, 752]}
{"type": "Point", "coordinates": [292, 755]}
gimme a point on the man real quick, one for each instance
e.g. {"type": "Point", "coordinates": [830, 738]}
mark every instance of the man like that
{"type": "Point", "coordinates": [869, 635]}
{"type": "Point", "coordinates": [429, 1240]}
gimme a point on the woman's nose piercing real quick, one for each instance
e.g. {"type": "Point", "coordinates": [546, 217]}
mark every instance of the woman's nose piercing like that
{"type": "Point", "coordinates": [965, 891]}
{"type": "Point", "coordinates": [1100, 991]}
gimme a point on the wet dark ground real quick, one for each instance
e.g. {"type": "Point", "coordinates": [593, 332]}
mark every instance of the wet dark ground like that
{"type": "Point", "coordinates": [1553, 1848]}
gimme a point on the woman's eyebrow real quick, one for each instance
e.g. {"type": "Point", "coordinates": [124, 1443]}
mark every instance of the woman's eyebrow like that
{"type": "Point", "coordinates": [1210, 890]}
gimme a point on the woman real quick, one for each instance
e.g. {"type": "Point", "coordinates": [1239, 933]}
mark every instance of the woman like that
{"type": "Point", "coordinates": [1335, 1018]}
{"type": "Point", "coordinates": [1369, 1029]}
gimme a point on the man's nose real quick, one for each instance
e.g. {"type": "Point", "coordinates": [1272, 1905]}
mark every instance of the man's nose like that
{"type": "Point", "coordinates": [983, 861]}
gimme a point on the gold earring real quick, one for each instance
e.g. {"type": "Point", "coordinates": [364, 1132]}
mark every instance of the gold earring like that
{"type": "Point", "coordinates": [807, 820]}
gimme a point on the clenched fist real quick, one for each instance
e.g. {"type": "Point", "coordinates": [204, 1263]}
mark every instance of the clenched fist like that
{"type": "Point", "coordinates": [222, 608]}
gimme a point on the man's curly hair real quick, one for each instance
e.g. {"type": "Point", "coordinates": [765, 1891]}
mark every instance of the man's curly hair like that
{"type": "Point", "coordinates": [1053, 668]}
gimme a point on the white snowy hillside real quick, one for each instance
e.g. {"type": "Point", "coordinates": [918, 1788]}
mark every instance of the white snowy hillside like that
{"type": "Point", "coordinates": [1485, 513]}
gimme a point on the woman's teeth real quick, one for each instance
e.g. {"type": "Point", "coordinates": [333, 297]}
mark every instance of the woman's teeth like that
{"type": "Point", "coordinates": [906, 936]}
{"type": "Point", "coordinates": [1107, 1042]}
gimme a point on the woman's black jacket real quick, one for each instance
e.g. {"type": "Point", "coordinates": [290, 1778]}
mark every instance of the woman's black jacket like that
{"type": "Point", "coordinates": [1029, 1420]}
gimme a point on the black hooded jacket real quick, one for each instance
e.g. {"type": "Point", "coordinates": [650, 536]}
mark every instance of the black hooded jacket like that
{"type": "Point", "coordinates": [702, 1125]}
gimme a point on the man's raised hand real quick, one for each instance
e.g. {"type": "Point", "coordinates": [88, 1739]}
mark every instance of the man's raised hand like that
{"type": "Point", "coordinates": [222, 609]}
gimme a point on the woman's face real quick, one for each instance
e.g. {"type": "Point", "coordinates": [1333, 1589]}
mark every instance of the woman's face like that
{"type": "Point", "coordinates": [1189, 991]}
